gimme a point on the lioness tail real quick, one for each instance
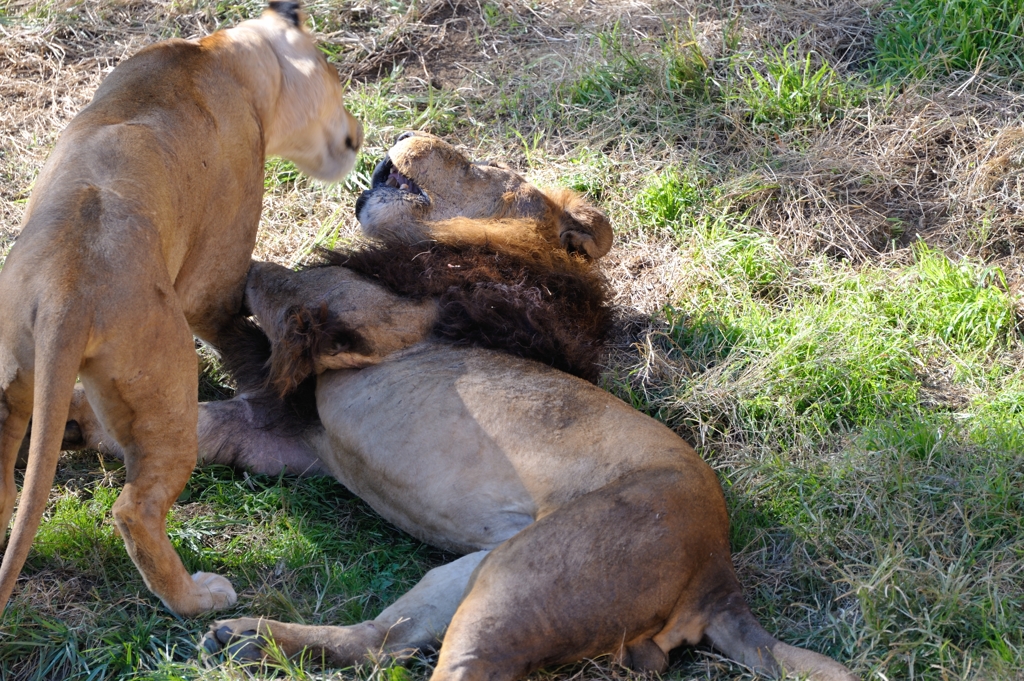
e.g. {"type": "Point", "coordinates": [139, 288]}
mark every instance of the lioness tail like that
{"type": "Point", "coordinates": [58, 356]}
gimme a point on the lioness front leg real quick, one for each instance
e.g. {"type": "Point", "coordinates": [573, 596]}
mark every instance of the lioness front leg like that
{"type": "Point", "coordinates": [415, 621]}
{"type": "Point", "coordinates": [146, 400]}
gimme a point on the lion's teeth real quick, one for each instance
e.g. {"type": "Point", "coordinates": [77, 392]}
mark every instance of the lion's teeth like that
{"type": "Point", "coordinates": [405, 187]}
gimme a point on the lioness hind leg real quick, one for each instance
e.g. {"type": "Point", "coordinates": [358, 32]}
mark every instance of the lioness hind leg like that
{"type": "Point", "coordinates": [15, 412]}
{"type": "Point", "coordinates": [147, 401]}
{"type": "Point", "coordinates": [415, 621]}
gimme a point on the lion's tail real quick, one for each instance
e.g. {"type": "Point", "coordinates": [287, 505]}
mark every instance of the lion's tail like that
{"type": "Point", "coordinates": [58, 355]}
{"type": "Point", "coordinates": [734, 631]}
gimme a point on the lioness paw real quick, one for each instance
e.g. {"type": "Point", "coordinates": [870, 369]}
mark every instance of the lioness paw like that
{"type": "Point", "coordinates": [215, 592]}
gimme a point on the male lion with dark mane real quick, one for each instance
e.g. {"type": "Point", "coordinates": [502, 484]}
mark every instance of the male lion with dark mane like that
{"type": "Point", "coordinates": [588, 527]}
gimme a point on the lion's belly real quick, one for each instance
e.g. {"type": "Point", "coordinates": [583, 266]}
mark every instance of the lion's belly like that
{"type": "Point", "coordinates": [464, 447]}
{"type": "Point", "coordinates": [415, 457]}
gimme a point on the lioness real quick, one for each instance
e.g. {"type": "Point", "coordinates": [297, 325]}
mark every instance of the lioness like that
{"type": "Point", "coordinates": [137, 235]}
{"type": "Point", "coordinates": [589, 527]}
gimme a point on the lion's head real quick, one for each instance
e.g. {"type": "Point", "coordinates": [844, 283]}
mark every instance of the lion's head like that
{"type": "Point", "coordinates": [462, 275]}
{"type": "Point", "coordinates": [425, 189]}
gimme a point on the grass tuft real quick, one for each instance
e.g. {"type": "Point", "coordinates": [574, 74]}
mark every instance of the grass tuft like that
{"type": "Point", "coordinates": [782, 91]}
{"type": "Point", "coordinates": [928, 38]}
{"type": "Point", "coordinates": [963, 304]}
{"type": "Point", "coordinates": [673, 199]}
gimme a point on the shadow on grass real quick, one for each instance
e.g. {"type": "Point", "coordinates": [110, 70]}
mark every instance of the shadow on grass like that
{"type": "Point", "coordinates": [302, 550]}
{"type": "Point", "coordinates": [904, 547]}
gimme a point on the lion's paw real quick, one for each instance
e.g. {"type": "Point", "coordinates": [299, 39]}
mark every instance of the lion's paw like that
{"type": "Point", "coordinates": [217, 592]}
{"type": "Point", "coordinates": [237, 639]}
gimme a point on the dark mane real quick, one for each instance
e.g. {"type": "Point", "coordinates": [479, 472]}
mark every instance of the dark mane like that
{"type": "Point", "coordinates": [547, 306]}
{"type": "Point", "coordinates": [245, 355]}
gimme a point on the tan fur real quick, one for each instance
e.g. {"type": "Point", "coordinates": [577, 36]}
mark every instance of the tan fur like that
{"type": "Point", "coordinates": [478, 204]}
{"type": "Point", "coordinates": [385, 322]}
{"type": "Point", "coordinates": [589, 527]}
{"type": "Point", "coordinates": [138, 234]}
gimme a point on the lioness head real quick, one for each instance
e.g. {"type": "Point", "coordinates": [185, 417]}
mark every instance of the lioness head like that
{"type": "Point", "coordinates": [425, 189]}
{"type": "Point", "coordinates": [309, 124]}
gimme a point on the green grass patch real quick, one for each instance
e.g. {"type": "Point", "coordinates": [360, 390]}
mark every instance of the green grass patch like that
{"type": "Point", "coordinates": [962, 304]}
{"type": "Point", "coordinates": [922, 38]}
{"type": "Point", "coordinates": [782, 91]}
{"type": "Point", "coordinates": [927, 604]}
{"type": "Point", "coordinates": [807, 355]}
{"type": "Point", "coordinates": [674, 199]}
{"type": "Point", "coordinates": [621, 71]}
{"type": "Point", "coordinates": [774, 92]}
{"type": "Point", "coordinates": [874, 519]}
{"type": "Point", "coordinates": [635, 87]}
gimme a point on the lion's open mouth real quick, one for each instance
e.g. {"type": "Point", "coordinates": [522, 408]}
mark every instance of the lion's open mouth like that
{"type": "Point", "coordinates": [386, 174]}
{"type": "Point", "coordinates": [397, 179]}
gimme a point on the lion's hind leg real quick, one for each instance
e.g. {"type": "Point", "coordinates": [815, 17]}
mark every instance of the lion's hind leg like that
{"type": "Point", "coordinates": [415, 621]}
{"type": "Point", "coordinates": [633, 569]}
{"type": "Point", "coordinates": [621, 570]}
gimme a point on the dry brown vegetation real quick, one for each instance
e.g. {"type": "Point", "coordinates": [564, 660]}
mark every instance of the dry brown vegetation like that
{"type": "Point", "coordinates": [943, 163]}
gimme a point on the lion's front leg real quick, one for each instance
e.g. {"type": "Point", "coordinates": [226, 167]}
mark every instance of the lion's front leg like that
{"type": "Point", "coordinates": [415, 621]}
{"type": "Point", "coordinates": [241, 433]}
{"type": "Point", "coordinates": [252, 639]}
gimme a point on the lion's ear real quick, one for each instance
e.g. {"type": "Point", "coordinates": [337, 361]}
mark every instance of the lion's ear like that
{"type": "Point", "coordinates": [583, 228]}
{"type": "Point", "coordinates": [309, 338]}
{"type": "Point", "coordinates": [289, 11]}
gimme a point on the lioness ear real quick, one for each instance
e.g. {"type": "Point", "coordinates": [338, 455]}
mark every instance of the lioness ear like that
{"type": "Point", "coordinates": [289, 11]}
{"type": "Point", "coordinates": [581, 227]}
